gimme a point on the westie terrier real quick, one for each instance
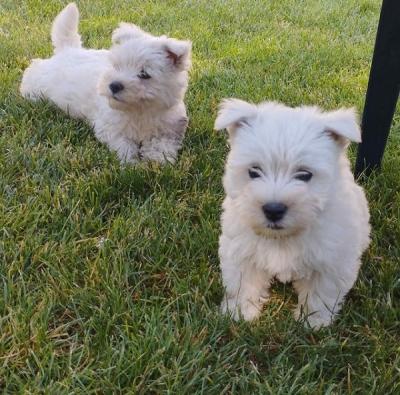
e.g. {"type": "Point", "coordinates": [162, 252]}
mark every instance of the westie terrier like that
{"type": "Point", "coordinates": [132, 94]}
{"type": "Point", "coordinates": [292, 209]}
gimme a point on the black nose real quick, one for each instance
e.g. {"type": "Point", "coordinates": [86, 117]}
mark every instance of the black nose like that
{"type": "Point", "coordinates": [116, 87]}
{"type": "Point", "coordinates": [274, 211]}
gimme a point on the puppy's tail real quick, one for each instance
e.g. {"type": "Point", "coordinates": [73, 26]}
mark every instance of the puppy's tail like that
{"type": "Point", "coordinates": [64, 32]}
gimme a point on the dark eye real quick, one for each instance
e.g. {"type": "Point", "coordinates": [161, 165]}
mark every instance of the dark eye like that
{"type": "Point", "coordinates": [144, 75]}
{"type": "Point", "coordinates": [255, 172]}
{"type": "Point", "coordinates": [303, 175]}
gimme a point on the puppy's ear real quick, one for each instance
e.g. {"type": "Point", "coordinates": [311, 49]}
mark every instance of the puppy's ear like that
{"type": "Point", "coordinates": [234, 114]}
{"type": "Point", "coordinates": [127, 31]}
{"type": "Point", "coordinates": [178, 52]}
{"type": "Point", "coordinates": [342, 125]}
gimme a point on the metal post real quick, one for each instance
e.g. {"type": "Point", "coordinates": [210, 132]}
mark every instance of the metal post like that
{"type": "Point", "coordinates": [383, 89]}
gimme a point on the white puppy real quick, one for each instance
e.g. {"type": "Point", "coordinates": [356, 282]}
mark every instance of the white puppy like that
{"type": "Point", "coordinates": [132, 94]}
{"type": "Point", "coordinates": [292, 209]}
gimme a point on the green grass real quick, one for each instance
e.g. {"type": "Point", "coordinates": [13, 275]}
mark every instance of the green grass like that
{"type": "Point", "coordinates": [109, 275]}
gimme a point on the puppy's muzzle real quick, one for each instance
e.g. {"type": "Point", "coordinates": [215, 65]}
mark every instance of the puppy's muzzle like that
{"type": "Point", "coordinates": [116, 87]}
{"type": "Point", "coordinates": [274, 211]}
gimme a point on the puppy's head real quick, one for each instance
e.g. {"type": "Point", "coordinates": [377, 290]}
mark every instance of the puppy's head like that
{"type": "Point", "coordinates": [145, 70]}
{"type": "Point", "coordinates": [284, 162]}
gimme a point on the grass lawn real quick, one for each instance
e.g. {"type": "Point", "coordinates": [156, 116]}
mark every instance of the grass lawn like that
{"type": "Point", "coordinates": [109, 275]}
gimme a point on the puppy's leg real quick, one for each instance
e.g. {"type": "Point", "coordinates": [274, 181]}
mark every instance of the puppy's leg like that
{"type": "Point", "coordinates": [161, 149]}
{"type": "Point", "coordinates": [246, 290]}
{"type": "Point", "coordinates": [165, 148]}
{"type": "Point", "coordinates": [320, 297]}
{"type": "Point", "coordinates": [126, 149]}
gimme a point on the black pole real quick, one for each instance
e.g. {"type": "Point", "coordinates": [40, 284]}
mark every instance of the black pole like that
{"type": "Point", "coordinates": [383, 89]}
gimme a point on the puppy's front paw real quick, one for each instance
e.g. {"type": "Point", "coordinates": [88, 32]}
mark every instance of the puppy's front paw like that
{"type": "Point", "coordinates": [248, 310]}
{"type": "Point", "coordinates": [128, 154]}
{"type": "Point", "coordinates": [314, 320]}
{"type": "Point", "coordinates": [160, 157]}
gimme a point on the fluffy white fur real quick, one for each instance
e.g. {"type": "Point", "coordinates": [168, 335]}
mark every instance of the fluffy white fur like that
{"type": "Point", "coordinates": [318, 243]}
{"type": "Point", "coordinates": [147, 117]}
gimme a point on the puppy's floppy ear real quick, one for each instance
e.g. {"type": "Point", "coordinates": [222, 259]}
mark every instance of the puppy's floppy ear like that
{"type": "Point", "coordinates": [127, 31]}
{"type": "Point", "coordinates": [178, 52]}
{"type": "Point", "coordinates": [233, 114]}
{"type": "Point", "coordinates": [343, 126]}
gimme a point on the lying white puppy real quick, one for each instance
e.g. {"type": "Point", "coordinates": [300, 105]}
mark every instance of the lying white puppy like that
{"type": "Point", "coordinates": [292, 209]}
{"type": "Point", "coordinates": [132, 94]}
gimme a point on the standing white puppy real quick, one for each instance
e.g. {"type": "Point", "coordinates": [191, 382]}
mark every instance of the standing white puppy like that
{"type": "Point", "coordinates": [292, 209]}
{"type": "Point", "coordinates": [132, 94]}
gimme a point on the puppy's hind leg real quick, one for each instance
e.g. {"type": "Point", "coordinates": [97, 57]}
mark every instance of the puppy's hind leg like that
{"type": "Point", "coordinates": [31, 87]}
